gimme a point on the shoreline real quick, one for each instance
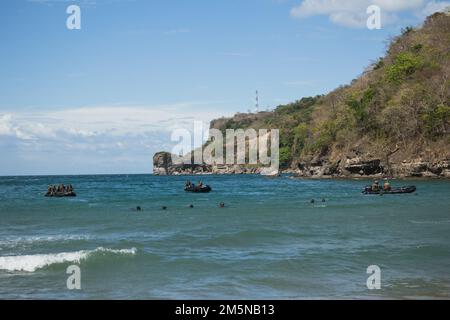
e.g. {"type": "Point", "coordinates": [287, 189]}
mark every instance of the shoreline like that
{"type": "Point", "coordinates": [300, 177]}
{"type": "Point", "coordinates": [289, 174]}
{"type": "Point", "coordinates": [350, 168]}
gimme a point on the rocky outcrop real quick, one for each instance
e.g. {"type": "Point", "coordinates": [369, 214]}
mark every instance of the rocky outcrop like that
{"type": "Point", "coordinates": [376, 168]}
{"type": "Point", "coordinates": [350, 167]}
{"type": "Point", "coordinates": [364, 168]}
{"type": "Point", "coordinates": [162, 161]}
{"type": "Point", "coordinates": [423, 168]}
{"type": "Point", "coordinates": [235, 169]}
{"type": "Point", "coordinates": [163, 165]}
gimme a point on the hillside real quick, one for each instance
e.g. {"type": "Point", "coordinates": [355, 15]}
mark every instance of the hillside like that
{"type": "Point", "coordinates": [393, 120]}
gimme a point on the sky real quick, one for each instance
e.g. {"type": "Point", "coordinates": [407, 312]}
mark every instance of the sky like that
{"type": "Point", "coordinates": [103, 99]}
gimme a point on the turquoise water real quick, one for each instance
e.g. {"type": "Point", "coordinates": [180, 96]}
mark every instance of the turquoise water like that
{"type": "Point", "coordinates": [269, 242]}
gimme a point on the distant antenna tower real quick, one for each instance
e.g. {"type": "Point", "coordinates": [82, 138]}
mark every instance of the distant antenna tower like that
{"type": "Point", "coordinates": [257, 102]}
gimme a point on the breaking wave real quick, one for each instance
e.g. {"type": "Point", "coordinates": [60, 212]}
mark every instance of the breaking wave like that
{"type": "Point", "coordinates": [31, 263]}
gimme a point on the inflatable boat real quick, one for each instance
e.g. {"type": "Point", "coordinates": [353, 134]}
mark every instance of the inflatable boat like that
{"type": "Point", "coordinates": [61, 194]}
{"type": "Point", "coordinates": [197, 189]}
{"type": "Point", "coordinates": [410, 189]}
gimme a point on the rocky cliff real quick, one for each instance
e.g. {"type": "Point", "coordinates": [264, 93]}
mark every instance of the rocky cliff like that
{"type": "Point", "coordinates": [393, 120]}
{"type": "Point", "coordinates": [163, 165]}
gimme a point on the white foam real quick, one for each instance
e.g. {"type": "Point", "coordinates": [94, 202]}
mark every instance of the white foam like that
{"type": "Point", "coordinates": [11, 242]}
{"type": "Point", "coordinates": [31, 263]}
{"type": "Point", "coordinates": [429, 221]}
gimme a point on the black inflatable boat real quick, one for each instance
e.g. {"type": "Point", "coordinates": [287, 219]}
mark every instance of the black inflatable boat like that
{"type": "Point", "coordinates": [410, 189]}
{"type": "Point", "coordinates": [61, 194]}
{"type": "Point", "coordinates": [197, 189]}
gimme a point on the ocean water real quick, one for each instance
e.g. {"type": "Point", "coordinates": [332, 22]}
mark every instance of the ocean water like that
{"type": "Point", "coordinates": [269, 242]}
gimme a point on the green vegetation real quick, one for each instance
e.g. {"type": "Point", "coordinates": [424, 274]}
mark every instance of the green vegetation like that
{"type": "Point", "coordinates": [406, 63]}
{"type": "Point", "coordinates": [437, 121]}
{"type": "Point", "coordinates": [285, 157]}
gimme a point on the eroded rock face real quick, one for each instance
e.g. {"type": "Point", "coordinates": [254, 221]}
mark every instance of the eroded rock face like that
{"type": "Point", "coordinates": [162, 161]}
{"type": "Point", "coordinates": [364, 167]}
{"type": "Point", "coordinates": [163, 165]}
{"type": "Point", "coordinates": [446, 173]}
{"type": "Point", "coordinates": [358, 167]}
{"type": "Point", "coordinates": [422, 168]}
{"type": "Point", "coordinates": [351, 167]}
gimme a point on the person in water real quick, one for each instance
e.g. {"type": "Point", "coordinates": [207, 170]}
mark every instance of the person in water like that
{"type": "Point", "coordinates": [387, 185]}
{"type": "Point", "coordinates": [376, 186]}
{"type": "Point", "coordinates": [222, 205]}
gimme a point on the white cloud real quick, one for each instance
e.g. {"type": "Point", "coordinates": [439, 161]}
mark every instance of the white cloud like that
{"type": "Point", "coordinates": [93, 139]}
{"type": "Point", "coordinates": [349, 13]}
{"type": "Point", "coordinates": [435, 6]}
{"type": "Point", "coordinates": [352, 13]}
{"type": "Point", "coordinates": [91, 121]}
{"type": "Point", "coordinates": [326, 7]}
{"type": "Point", "coordinates": [399, 5]}
{"type": "Point", "coordinates": [349, 19]}
{"type": "Point", "coordinates": [7, 128]}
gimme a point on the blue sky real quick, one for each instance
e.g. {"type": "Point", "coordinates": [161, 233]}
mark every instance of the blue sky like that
{"type": "Point", "coordinates": [104, 98]}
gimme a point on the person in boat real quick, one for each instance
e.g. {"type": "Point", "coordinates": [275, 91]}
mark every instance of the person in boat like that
{"type": "Point", "coordinates": [50, 190]}
{"type": "Point", "coordinates": [70, 188]}
{"type": "Point", "coordinates": [200, 184]}
{"type": "Point", "coordinates": [188, 184]}
{"type": "Point", "coordinates": [376, 186]}
{"type": "Point", "coordinates": [387, 185]}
